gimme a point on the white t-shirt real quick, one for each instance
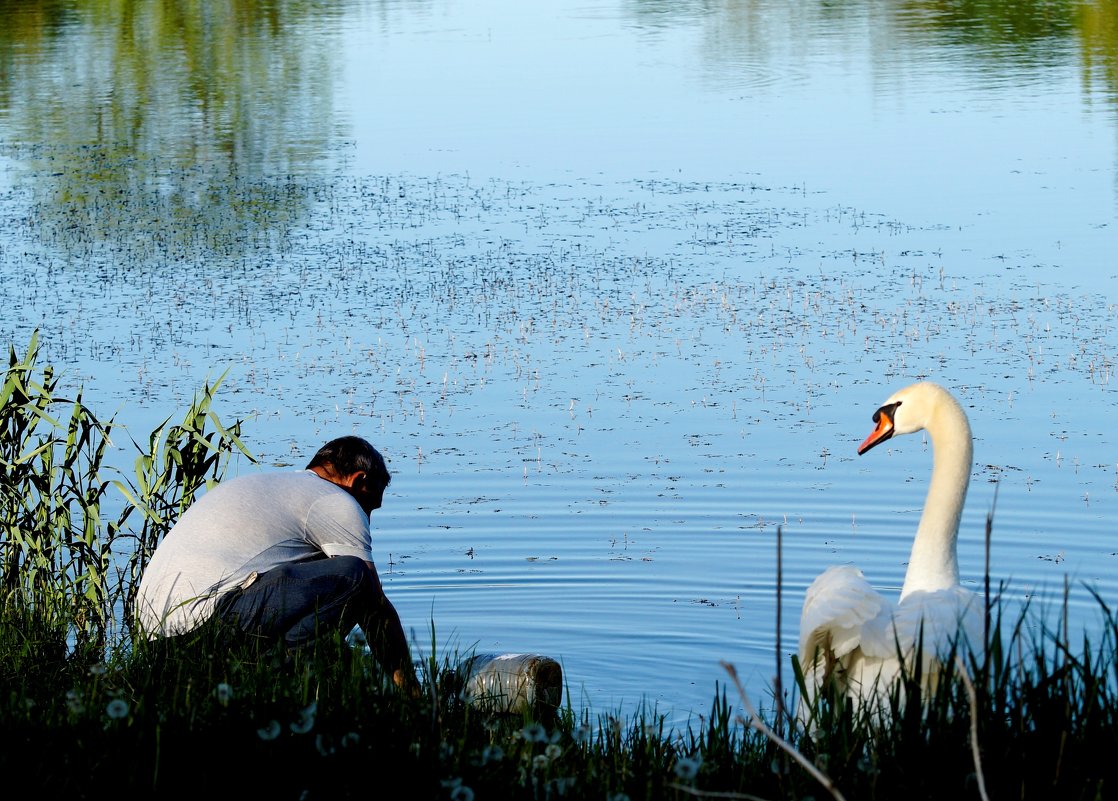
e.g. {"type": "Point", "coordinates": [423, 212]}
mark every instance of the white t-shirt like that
{"type": "Point", "coordinates": [242, 526]}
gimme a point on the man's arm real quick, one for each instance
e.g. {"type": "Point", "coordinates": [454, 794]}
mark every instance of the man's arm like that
{"type": "Point", "coordinates": [387, 640]}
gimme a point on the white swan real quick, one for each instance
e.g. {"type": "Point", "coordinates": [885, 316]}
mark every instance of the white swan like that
{"type": "Point", "coordinates": [850, 631]}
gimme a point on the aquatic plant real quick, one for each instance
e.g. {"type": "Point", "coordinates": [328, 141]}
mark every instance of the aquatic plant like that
{"type": "Point", "coordinates": [66, 563]}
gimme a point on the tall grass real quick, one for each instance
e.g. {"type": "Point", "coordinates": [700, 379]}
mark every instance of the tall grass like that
{"type": "Point", "coordinates": [63, 563]}
{"type": "Point", "coordinates": [206, 716]}
{"type": "Point", "coordinates": [85, 714]}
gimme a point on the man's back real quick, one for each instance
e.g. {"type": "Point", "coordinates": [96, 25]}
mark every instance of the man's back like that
{"type": "Point", "coordinates": [242, 527]}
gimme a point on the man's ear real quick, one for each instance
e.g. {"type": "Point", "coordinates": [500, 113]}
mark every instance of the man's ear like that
{"type": "Point", "coordinates": [353, 479]}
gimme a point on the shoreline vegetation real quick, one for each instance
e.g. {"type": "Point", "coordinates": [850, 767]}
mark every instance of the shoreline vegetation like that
{"type": "Point", "coordinates": [87, 710]}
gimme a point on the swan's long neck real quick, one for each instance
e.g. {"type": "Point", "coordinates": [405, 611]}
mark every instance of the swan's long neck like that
{"type": "Point", "coordinates": [934, 563]}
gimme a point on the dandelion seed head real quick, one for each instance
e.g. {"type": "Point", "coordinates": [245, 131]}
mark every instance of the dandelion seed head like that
{"type": "Point", "coordinates": [458, 791]}
{"type": "Point", "coordinates": [563, 784]}
{"type": "Point", "coordinates": [534, 733]}
{"type": "Point", "coordinates": [323, 745]}
{"type": "Point", "coordinates": [117, 709]}
{"type": "Point", "coordinates": [224, 693]}
{"type": "Point", "coordinates": [492, 753]}
{"type": "Point", "coordinates": [305, 722]}
{"type": "Point", "coordinates": [539, 762]}
{"type": "Point", "coordinates": [687, 768]}
{"type": "Point", "coordinates": [271, 731]}
{"type": "Point", "coordinates": [462, 793]}
{"type": "Point", "coordinates": [553, 751]}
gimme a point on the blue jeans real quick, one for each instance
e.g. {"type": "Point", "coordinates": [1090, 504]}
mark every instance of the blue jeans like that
{"type": "Point", "coordinates": [298, 602]}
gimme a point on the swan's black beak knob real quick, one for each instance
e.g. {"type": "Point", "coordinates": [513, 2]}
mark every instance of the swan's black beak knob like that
{"type": "Point", "coordinates": [884, 419]}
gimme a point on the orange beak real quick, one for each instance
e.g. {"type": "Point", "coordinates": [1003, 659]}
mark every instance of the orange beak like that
{"type": "Point", "coordinates": [884, 419]}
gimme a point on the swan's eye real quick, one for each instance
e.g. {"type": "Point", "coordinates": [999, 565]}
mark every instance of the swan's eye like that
{"type": "Point", "coordinates": [890, 411]}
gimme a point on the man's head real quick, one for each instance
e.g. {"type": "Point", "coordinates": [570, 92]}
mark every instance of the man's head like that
{"type": "Point", "coordinates": [356, 466]}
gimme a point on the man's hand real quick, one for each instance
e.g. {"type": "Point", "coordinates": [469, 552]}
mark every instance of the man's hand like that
{"type": "Point", "coordinates": [404, 678]}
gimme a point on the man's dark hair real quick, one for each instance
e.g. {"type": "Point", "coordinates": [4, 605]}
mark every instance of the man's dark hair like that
{"type": "Point", "coordinates": [347, 455]}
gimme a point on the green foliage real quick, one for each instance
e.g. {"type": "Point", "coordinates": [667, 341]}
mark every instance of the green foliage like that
{"type": "Point", "coordinates": [176, 462]}
{"type": "Point", "coordinates": [211, 714]}
{"type": "Point", "coordinates": [61, 562]}
{"type": "Point", "coordinates": [55, 560]}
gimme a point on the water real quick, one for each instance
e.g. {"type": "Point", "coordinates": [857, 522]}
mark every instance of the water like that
{"type": "Point", "coordinates": [615, 286]}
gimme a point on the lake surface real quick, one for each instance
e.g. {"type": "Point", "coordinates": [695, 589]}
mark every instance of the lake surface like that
{"type": "Point", "coordinates": [615, 286]}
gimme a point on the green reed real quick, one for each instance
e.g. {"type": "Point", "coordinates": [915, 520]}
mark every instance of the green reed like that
{"type": "Point", "coordinates": [61, 560]}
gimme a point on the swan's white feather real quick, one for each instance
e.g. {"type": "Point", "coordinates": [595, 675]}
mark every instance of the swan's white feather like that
{"type": "Point", "coordinates": [949, 617]}
{"type": "Point", "coordinates": [851, 631]}
{"type": "Point", "coordinates": [837, 607]}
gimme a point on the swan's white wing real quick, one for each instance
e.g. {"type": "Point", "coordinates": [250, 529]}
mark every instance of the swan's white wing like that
{"type": "Point", "coordinates": [837, 607]}
{"type": "Point", "coordinates": [949, 616]}
{"type": "Point", "coordinates": [840, 611]}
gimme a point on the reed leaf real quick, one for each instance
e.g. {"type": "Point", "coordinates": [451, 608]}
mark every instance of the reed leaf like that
{"type": "Point", "coordinates": [61, 558]}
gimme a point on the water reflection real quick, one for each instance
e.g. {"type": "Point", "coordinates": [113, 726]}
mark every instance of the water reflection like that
{"type": "Point", "coordinates": [127, 115]}
{"type": "Point", "coordinates": [982, 34]}
{"type": "Point", "coordinates": [164, 124]}
{"type": "Point", "coordinates": [1098, 25]}
{"type": "Point", "coordinates": [994, 26]}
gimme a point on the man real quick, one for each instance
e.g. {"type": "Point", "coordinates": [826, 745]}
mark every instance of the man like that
{"type": "Point", "coordinates": [283, 555]}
